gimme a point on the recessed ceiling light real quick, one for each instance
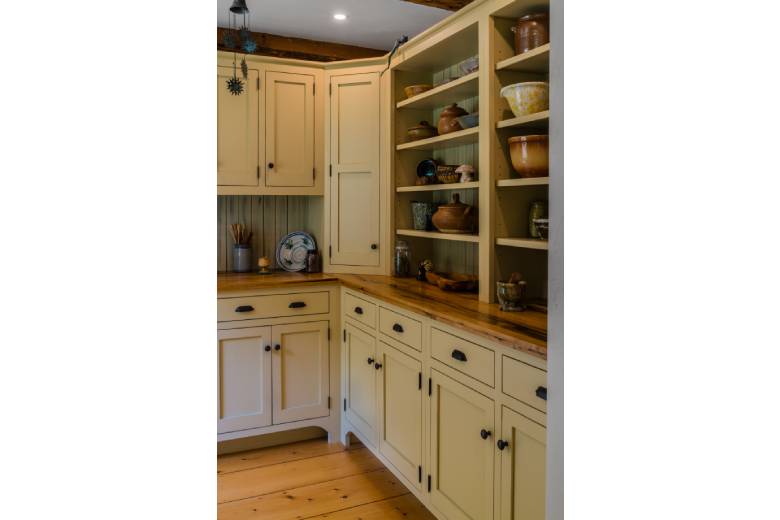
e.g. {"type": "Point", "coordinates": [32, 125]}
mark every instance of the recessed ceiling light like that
{"type": "Point", "coordinates": [339, 16]}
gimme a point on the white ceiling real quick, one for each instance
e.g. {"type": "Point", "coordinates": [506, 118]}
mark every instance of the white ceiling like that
{"type": "Point", "coordinates": [370, 23]}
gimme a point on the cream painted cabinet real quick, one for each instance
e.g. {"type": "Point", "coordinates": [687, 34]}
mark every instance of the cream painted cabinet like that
{"type": "Point", "coordinates": [243, 379]}
{"type": "Point", "coordinates": [401, 412]}
{"type": "Point", "coordinates": [354, 170]}
{"type": "Point", "coordinates": [238, 131]}
{"type": "Point", "coordinates": [462, 450]}
{"type": "Point", "coordinates": [522, 467]}
{"type": "Point", "coordinates": [300, 371]}
{"type": "Point", "coordinates": [360, 391]}
{"type": "Point", "coordinates": [289, 129]}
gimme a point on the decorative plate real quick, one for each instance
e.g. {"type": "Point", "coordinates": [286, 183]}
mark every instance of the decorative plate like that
{"type": "Point", "coordinates": [292, 250]}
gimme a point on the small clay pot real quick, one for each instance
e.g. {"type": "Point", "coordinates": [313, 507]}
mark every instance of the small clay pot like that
{"type": "Point", "coordinates": [448, 119]}
{"type": "Point", "coordinates": [414, 90]}
{"type": "Point", "coordinates": [530, 157]}
{"type": "Point", "coordinates": [422, 131]}
{"type": "Point", "coordinates": [455, 217]}
{"type": "Point", "coordinates": [531, 31]}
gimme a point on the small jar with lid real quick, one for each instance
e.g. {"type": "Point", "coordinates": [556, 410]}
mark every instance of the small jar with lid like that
{"type": "Point", "coordinates": [402, 259]}
{"type": "Point", "coordinates": [531, 31]}
{"type": "Point", "coordinates": [538, 210]}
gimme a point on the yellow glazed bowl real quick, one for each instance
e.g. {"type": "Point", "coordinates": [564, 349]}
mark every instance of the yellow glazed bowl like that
{"type": "Point", "coordinates": [527, 98]}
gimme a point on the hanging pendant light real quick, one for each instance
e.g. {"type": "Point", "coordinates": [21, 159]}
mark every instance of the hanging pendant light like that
{"type": "Point", "coordinates": [239, 37]}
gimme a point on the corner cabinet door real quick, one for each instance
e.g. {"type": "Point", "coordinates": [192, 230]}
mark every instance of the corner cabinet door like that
{"type": "Point", "coordinates": [301, 379]}
{"type": "Point", "coordinates": [238, 131]}
{"type": "Point", "coordinates": [400, 398]}
{"type": "Point", "coordinates": [462, 461]}
{"type": "Point", "coordinates": [522, 468]}
{"type": "Point", "coordinates": [354, 180]}
{"type": "Point", "coordinates": [243, 379]}
{"type": "Point", "coordinates": [360, 388]}
{"type": "Point", "coordinates": [289, 129]}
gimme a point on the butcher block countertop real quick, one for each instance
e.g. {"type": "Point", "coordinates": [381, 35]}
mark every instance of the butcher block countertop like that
{"type": "Point", "coordinates": [525, 331]}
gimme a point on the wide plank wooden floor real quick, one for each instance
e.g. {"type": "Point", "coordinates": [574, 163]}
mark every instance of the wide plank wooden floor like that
{"type": "Point", "coordinates": [311, 479]}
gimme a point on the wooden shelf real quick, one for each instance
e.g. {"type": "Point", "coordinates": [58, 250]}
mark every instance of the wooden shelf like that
{"type": "Point", "coordinates": [532, 120]}
{"type": "Point", "coordinates": [440, 187]}
{"type": "Point", "coordinates": [443, 95]}
{"type": "Point", "coordinates": [469, 135]}
{"type": "Point", "coordinates": [526, 243]}
{"type": "Point", "coordinates": [519, 183]}
{"type": "Point", "coordinates": [445, 49]}
{"type": "Point", "coordinates": [435, 234]}
{"type": "Point", "coordinates": [536, 60]}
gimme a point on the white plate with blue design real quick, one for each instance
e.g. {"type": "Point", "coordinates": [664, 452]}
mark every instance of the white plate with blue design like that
{"type": "Point", "coordinates": [292, 251]}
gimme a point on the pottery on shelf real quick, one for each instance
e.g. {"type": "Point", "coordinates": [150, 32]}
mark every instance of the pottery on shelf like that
{"type": "Point", "coordinates": [469, 120]}
{"type": "Point", "coordinates": [447, 174]}
{"type": "Point", "coordinates": [531, 31]}
{"type": "Point", "coordinates": [527, 98]}
{"type": "Point", "coordinates": [455, 217]}
{"type": "Point", "coordinates": [421, 215]}
{"type": "Point", "coordinates": [422, 131]}
{"type": "Point", "coordinates": [448, 119]}
{"type": "Point", "coordinates": [530, 155]}
{"type": "Point", "coordinates": [415, 90]}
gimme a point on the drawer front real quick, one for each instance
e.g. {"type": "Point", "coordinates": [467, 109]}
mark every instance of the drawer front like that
{"type": "Point", "coordinates": [524, 382]}
{"type": "Point", "coordinates": [464, 356]}
{"type": "Point", "coordinates": [272, 306]}
{"type": "Point", "coordinates": [359, 309]}
{"type": "Point", "coordinates": [406, 330]}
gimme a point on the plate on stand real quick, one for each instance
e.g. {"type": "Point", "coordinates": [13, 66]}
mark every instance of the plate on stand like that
{"type": "Point", "coordinates": [292, 251]}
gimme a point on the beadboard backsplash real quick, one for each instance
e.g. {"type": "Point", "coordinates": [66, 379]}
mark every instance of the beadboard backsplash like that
{"type": "Point", "coordinates": [270, 218]}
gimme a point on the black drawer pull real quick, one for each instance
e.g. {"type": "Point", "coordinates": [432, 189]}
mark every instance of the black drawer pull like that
{"type": "Point", "coordinates": [502, 444]}
{"type": "Point", "coordinates": [485, 433]}
{"type": "Point", "coordinates": [244, 308]}
{"type": "Point", "coordinates": [541, 392]}
{"type": "Point", "coordinates": [277, 348]}
{"type": "Point", "coordinates": [358, 310]}
{"type": "Point", "coordinates": [268, 348]}
{"type": "Point", "coordinates": [398, 328]}
{"type": "Point", "coordinates": [297, 305]}
{"type": "Point", "coordinates": [457, 354]}
{"type": "Point", "coordinates": [370, 361]}
{"type": "Point", "coordinates": [377, 365]}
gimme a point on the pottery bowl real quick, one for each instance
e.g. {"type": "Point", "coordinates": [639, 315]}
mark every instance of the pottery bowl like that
{"type": "Point", "coordinates": [415, 90]}
{"type": "Point", "coordinates": [510, 295]}
{"type": "Point", "coordinates": [469, 66]}
{"type": "Point", "coordinates": [530, 155]}
{"type": "Point", "coordinates": [527, 98]}
{"type": "Point", "coordinates": [469, 120]}
{"type": "Point", "coordinates": [447, 174]}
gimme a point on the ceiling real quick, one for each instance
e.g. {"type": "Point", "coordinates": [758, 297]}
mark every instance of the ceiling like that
{"type": "Point", "coordinates": [370, 23]}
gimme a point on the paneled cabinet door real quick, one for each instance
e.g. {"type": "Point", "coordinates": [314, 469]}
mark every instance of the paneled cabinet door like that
{"type": "Point", "coordinates": [243, 379]}
{"type": "Point", "coordinates": [301, 379]}
{"type": "Point", "coordinates": [354, 158]}
{"type": "Point", "coordinates": [400, 398]}
{"type": "Point", "coordinates": [522, 468]}
{"type": "Point", "coordinates": [360, 388]}
{"type": "Point", "coordinates": [238, 131]}
{"type": "Point", "coordinates": [289, 129]}
{"type": "Point", "coordinates": [462, 450]}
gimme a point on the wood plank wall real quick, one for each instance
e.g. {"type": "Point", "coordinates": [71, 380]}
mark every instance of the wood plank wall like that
{"type": "Point", "coordinates": [269, 218]}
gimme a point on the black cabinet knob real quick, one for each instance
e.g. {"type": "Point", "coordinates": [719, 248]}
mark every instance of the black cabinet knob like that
{"type": "Point", "coordinates": [268, 348]}
{"type": "Point", "coordinates": [398, 328]}
{"type": "Point", "coordinates": [485, 433]}
{"type": "Point", "coordinates": [502, 444]}
{"type": "Point", "coordinates": [370, 361]}
{"type": "Point", "coordinates": [270, 166]}
{"type": "Point", "coordinates": [373, 246]}
{"type": "Point", "coordinates": [358, 310]}
{"type": "Point", "coordinates": [297, 305]}
{"type": "Point", "coordinates": [377, 365]}
{"type": "Point", "coordinates": [244, 308]}
{"type": "Point", "coordinates": [541, 392]}
{"type": "Point", "coordinates": [457, 354]}
{"type": "Point", "coordinates": [277, 347]}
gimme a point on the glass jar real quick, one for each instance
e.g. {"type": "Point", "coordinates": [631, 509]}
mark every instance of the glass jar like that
{"type": "Point", "coordinates": [538, 210]}
{"type": "Point", "coordinates": [402, 259]}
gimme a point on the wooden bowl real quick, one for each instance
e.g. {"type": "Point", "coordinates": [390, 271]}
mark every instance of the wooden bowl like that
{"type": "Point", "coordinates": [415, 90]}
{"type": "Point", "coordinates": [453, 281]}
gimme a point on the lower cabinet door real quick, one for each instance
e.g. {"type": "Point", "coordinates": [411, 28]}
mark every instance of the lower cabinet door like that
{"type": "Point", "coordinates": [522, 467]}
{"type": "Point", "coordinates": [243, 379]}
{"type": "Point", "coordinates": [360, 388]}
{"type": "Point", "coordinates": [301, 379]}
{"type": "Point", "coordinates": [400, 400]}
{"type": "Point", "coordinates": [462, 450]}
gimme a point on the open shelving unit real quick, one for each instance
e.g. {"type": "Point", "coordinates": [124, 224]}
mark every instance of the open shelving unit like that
{"type": "Point", "coordinates": [439, 187]}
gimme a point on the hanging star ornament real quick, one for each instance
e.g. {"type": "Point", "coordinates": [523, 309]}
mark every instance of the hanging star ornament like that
{"type": "Point", "coordinates": [249, 46]}
{"type": "Point", "coordinates": [235, 86]}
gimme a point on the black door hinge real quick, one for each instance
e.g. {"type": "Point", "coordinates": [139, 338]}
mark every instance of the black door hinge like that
{"type": "Point", "coordinates": [419, 474]}
{"type": "Point", "coordinates": [330, 89]}
{"type": "Point", "coordinates": [430, 386]}
{"type": "Point", "coordinates": [258, 171]}
{"type": "Point", "coordinates": [345, 404]}
{"type": "Point", "coordinates": [328, 333]}
{"type": "Point", "coordinates": [345, 335]}
{"type": "Point", "coordinates": [313, 174]}
{"type": "Point", "coordinates": [258, 83]}
{"type": "Point", "coordinates": [419, 381]}
{"type": "Point", "coordinates": [313, 89]}
{"type": "Point", "coordinates": [330, 170]}
{"type": "Point", "coordinates": [429, 483]}
{"type": "Point", "coordinates": [330, 254]}
{"type": "Point", "coordinates": [328, 402]}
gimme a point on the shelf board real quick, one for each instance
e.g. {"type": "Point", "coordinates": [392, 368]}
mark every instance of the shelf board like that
{"type": "Point", "coordinates": [440, 187]}
{"type": "Point", "coordinates": [526, 243]}
{"type": "Point", "coordinates": [531, 120]}
{"type": "Point", "coordinates": [536, 60]}
{"type": "Point", "coordinates": [519, 183]}
{"type": "Point", "coordinates": [469, 135]}
{"type": "Point", "coordinates": [461, 88]}
{"type": "Point", "coordinates": [435, 234]}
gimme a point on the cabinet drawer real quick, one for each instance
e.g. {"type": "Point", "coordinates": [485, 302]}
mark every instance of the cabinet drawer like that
{"type": "Point", "coordinates": [361, 310]}
{"type": "Point", "coordinates": [464, 356]}
{"type": "Point", "coordinates": [524, 382]}
{"type": "Point", "coordinates": [406, 330]}
{"type": "Point", "coordinates": [272, 306]}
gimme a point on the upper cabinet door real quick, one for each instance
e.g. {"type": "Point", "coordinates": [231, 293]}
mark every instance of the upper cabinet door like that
{"type": "Point", "coordinates": [289, 129]}
{"type": "Point", "coordinates": [238, 155]}
{"type": "Point", "coordinates": [522, 467]}
{"type": "Point", "coordinates": [354, 157]}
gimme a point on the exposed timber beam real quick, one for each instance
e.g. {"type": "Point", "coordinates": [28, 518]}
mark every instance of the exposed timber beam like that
{"type": "Point", "coordinates": [450, 5]}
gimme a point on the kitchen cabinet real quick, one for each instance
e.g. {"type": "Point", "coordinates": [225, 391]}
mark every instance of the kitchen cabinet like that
{"type": "Point", "coordinates": [300, 371]}
{"type": "Point", "coordinates": [360, 381]}
{"type": "Point", "coordinates": [522, 467]}
{"type": "Point", "coordinates": [243, 379]}
{"type": "Point", "coordinates": [238, 154]}
{"type": "Point", "coordinates": [401, 411]}
{"type": "Point", "coordinates": [354, 170]}
{"type": "Point", "coordinates": [462, 450]}
{"type": "Point", "coordinates": [289, 129]}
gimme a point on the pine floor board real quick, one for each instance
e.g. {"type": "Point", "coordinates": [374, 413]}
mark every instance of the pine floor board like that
{"type": "Point", "coordinates": [275, 455]}
{"type": "Point", "coordinates": [405, 507]}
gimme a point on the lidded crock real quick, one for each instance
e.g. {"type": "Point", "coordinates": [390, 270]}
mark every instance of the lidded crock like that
{"type": "Point", "coordinates": [448, 119]}
{"type": "Point", "coordinates": [455, 217]}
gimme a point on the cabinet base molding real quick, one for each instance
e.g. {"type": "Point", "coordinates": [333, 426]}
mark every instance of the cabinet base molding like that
{"type": "Point", "coordinates": [270, 439]}
{"type": "Point", "coordinates": [328, 424]}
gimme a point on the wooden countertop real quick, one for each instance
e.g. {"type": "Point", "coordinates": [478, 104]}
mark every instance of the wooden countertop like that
{"type": "Point", "coordinates": [525, 331]}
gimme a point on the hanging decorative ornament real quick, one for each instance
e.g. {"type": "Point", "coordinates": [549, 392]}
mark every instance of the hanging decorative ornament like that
{"type": "Point", "coordinates": [244, 68]}
{"type": "Point", "coordinates": [249, 46]}
{"type": "Point", "coordinates": [244, 33]}
{"type": "Point", "coordinates": [235, 86]}
{"type": "Point", "coordinates": [239, 37]}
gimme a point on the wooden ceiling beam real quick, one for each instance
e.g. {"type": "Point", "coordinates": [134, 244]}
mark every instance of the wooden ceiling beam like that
{"type": "Point", "coordinates": [450, 5]}
{"type": "Point", "coordinates": [303, 49]}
